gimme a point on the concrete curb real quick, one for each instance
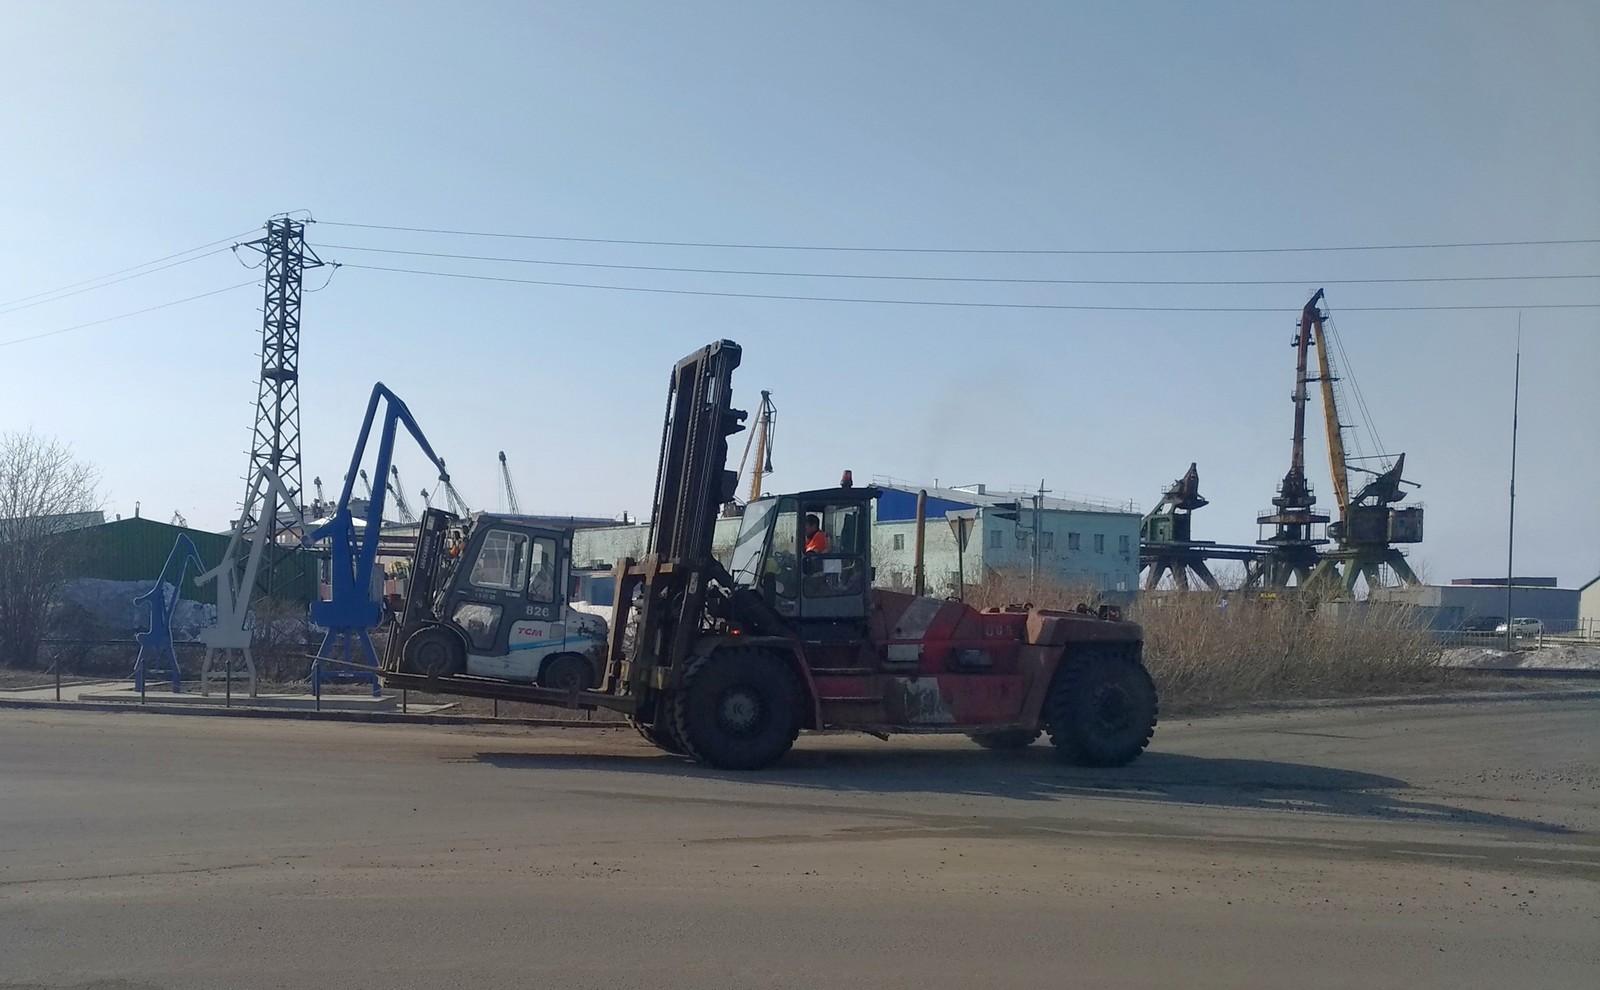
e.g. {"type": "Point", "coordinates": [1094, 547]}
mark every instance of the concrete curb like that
{"type": "Point", "coordinates": [1394, 701]}
{"type": "Point", "coordinates": [1548, 673]}
{"type": "Point", "coordinates": [311, 715]}
{"type": "Point", "coordinates": [402, 718]}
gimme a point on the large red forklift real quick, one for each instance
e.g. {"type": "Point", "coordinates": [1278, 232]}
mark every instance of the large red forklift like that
{"type": "Point", "coordinates": [728, 664]}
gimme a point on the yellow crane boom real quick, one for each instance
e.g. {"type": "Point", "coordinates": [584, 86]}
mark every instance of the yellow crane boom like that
{"type": "Point", "coordinates": [1312, 318]}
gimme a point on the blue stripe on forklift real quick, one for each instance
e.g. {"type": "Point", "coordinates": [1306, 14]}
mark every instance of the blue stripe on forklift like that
{"type": "Point", "coordinates": [576, 642]}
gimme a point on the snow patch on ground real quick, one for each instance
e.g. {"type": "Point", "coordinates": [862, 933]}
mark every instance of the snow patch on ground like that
{"type": "Point", "coordinates": [1552, 655]}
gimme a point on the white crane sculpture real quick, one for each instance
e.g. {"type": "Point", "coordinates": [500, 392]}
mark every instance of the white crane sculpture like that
{"type": "Point", "coordinates": [233, 631]}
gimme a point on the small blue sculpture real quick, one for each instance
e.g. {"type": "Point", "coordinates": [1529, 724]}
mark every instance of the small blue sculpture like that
{"type": "Point", "coordinates": [156, 651]}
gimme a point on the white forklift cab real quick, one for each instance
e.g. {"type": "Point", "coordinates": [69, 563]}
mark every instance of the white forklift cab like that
{"type": "Point", "coordinates": [488, 599]}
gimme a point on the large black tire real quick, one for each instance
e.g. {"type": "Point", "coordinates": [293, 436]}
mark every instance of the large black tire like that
{"type": "Point", "coordinates": [661, 736]}
{"type": "Point", "coordinates": [1005, 739]}
{"type": "Point", "coordinates": [1102, 709]}
{"type": "Point", "coordinates": [738, 709]}
{"type": "Point", "coordinates": [435, 652]}
{"type": "Point", "coordinates": [567, 672]}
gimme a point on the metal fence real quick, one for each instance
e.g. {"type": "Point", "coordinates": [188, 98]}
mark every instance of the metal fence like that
{"type": "Point", "coordinates": [78, 669]}
{"type": "Point", "coordinates": [1577, 632]}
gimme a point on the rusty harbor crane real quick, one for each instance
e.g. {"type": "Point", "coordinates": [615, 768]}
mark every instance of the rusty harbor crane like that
{"type": "Point", "coordinates": [1364, 539]}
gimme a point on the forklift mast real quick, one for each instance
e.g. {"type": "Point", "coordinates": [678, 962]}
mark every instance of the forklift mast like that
{"type": "Point", "coordinates": [431, 565]}
{"type": "Point", "coordinates": [692, 479]}
{"type": "Point", "coordinates": [692, 485]}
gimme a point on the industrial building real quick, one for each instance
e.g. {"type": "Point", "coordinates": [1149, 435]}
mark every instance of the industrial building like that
{"type": "Point", "coordinates": [1589, 609]}
{"type": "Point", "coordinates": [135, 550]}
{"type": "Point", "coordinates": [1081, 543]}
{"type": "Point", "coordinates": [1465, 599]}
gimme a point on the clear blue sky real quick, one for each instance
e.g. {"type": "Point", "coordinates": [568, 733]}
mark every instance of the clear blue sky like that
{"type": "Point", "coordinates": [131, 131]}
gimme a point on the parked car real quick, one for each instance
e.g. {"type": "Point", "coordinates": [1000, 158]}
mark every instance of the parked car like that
{"type": "Point", "coordinates": [1484, 624]}
{"type": "Point", "coordinates": [1522, 627]}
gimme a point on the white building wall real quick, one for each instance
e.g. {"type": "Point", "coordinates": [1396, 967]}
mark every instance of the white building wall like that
{"type": "Point", "coordinates": [1109, 563]}
{"type": "Point", "coordinates": [1084, 549]}
{"type": "Point", "coordinates": [1589, 609]}
{"type": "Point", "coordinates": [894, 547]}
{"type": "Point", "coordinates": [605, 545]}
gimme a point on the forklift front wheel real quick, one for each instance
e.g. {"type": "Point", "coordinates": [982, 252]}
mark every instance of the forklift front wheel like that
{"type": "Point", "coordinates": [738, 709]}
{"type": "Point", "coordinates": [660, 735]}
{"type": "Point", "coordinates": [567, 672]}
{"type": "Point", "coordinates": [435, 652]}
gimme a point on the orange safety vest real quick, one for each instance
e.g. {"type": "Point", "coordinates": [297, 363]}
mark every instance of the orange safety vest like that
{"type": "Point", "coordinates": [817, 542]}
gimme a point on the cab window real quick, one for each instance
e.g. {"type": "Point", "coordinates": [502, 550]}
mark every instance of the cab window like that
{"type": "Point", "coordinates": [542, 570]}
{"type": "Point", "coordinates": [834, 547]}
{"type": "Point", "coordinates": [785, 544]}
{"type": "Point", "coordinates": [502, 561]}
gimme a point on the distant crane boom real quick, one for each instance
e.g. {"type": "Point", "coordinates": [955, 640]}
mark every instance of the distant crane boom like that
{"type": "Point", "coordinates": [396, 489]}
{"type": "Point", "coordinates": [452, 498]}
{"type": "Point", "coordinates": [511, 491]}
{"type": "Point", "coordinates": [1313, 326]}
{"type": "Point", "coordinates": [761, 440]}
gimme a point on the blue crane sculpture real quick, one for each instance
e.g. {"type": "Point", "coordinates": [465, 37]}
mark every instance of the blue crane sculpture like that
{"type": "Point", "coordinates": [354, 606]}
{"type": "Point", "coordinates": [156, 651]}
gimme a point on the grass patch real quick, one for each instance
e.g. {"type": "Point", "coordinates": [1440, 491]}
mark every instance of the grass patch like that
{"type": "Point", "coordinates": [1206, 655]}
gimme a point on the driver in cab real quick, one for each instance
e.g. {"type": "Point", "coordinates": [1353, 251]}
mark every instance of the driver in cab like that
{"type": "Point", "coordinates": [816, 539]}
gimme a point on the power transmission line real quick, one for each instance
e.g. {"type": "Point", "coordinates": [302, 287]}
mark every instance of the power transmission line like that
{"type": "Point", "coordinates": [931, 250]}
{"type": "Point", "coordinates": [124, 316]}
{"type": "Point", "coordinates": [102, 285]}
{"type": "Point", "coordinates": [955, 278]}
{"type": "Point", "coordinates": [936, 302]}
{"type": "Point", "coordinates": [123, 271]}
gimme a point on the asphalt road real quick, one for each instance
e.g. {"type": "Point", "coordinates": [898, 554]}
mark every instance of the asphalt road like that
{"type": "Point", "coordinates": [1422, 846]}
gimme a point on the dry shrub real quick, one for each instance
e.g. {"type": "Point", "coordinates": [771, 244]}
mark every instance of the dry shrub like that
{"type": "Point", "coordinates": [1205, 654]}
{"type": "Point", "coordinates": [1001, 588]}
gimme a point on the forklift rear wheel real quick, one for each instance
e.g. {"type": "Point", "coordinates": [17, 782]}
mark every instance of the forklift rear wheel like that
{"type": "Point", "coordinates": [435, 652]}
{"type": "Point", "coordinates": [738, 709]}
{"type": "Point", "coordinates": [661, 736]}
{"type": "Point", "coordinates": [1102, 709]}
{"type": "Point", "coordinates": [1005, 739]}
{"type": "Point", "coordinates": [566, 672]}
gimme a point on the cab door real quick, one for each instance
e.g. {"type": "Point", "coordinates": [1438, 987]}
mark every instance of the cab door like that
{"type": "Point", "coordinates": [834, 583]}
{"type": "Point", "coordinates": [539, 631]}
{"type": "Point", "coordinates": [506, 597]}
{"type": "Point", "coordinates": [835, 570]}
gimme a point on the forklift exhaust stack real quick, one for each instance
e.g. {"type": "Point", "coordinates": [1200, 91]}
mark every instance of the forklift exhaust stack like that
{"type": "Point", "coordinates": [918, 575]}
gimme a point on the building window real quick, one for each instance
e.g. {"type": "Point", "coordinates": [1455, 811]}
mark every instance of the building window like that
{"type": "Point", "coordinates": [1049, 542]}
{"type": "Point", "coordinates": [1122, 545]}
{"type": "Point", "coordinates": [1074, 542]}
{"type": "Point", "coordinates": [1099, 543]}
{"type": "Point", "coordinates": [995, 537]}
{"type": "Point", "coordinates": [898, 541]}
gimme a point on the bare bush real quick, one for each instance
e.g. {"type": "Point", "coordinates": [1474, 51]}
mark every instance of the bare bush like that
{"type": "Point", "coordinates": [282, 643]}
{"type": "Point", "coordinates": [1000, 588]}
{"type": "Point", "coordinates": [1208, 649]}
{"type": "Point", "coordinates": [44, 493]}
